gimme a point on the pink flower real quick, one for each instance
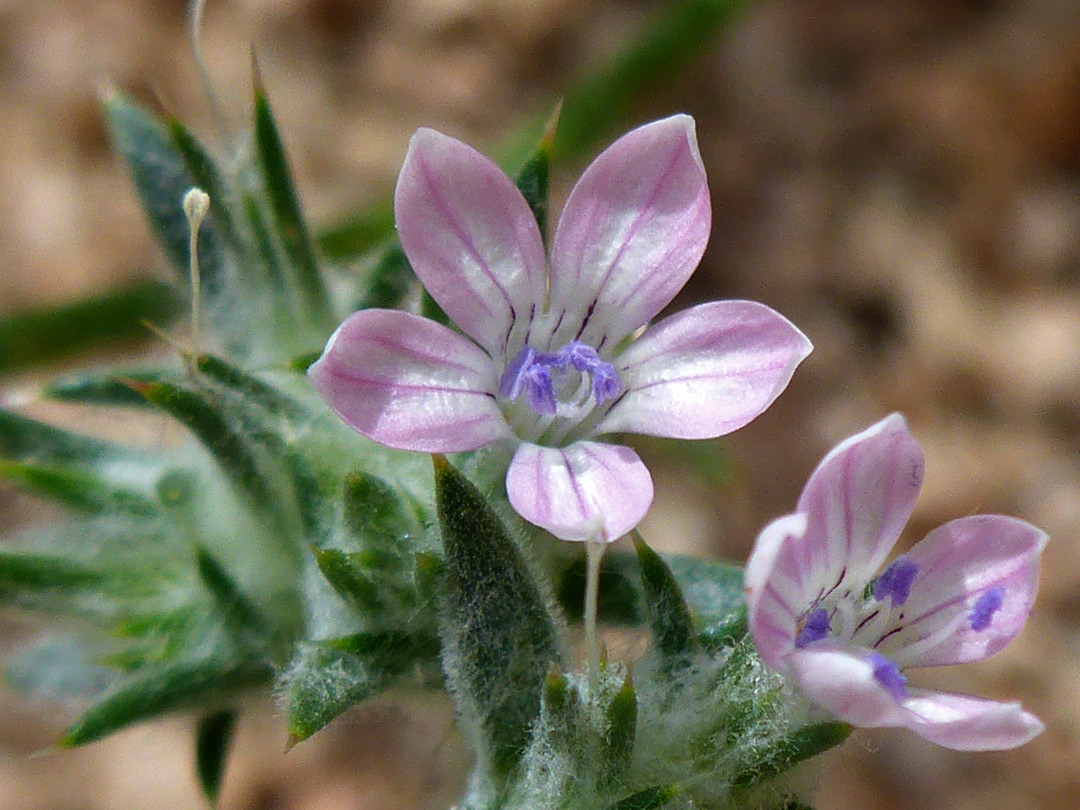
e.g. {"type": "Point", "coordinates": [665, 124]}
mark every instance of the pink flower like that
{"type": "Point", "coordinates": [549, 359]}
{"type": "Point", "coordinates": [844, 638]}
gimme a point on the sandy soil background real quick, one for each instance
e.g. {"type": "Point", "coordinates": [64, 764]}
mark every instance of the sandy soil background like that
{"type": "Point", "coordinates": [901, 178]}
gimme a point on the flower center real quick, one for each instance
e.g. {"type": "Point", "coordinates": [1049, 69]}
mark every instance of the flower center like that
{"type": "Point", "coordinates": [542, 377]}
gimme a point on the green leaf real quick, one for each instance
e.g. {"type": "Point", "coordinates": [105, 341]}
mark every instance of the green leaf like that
{"type": "Point", "coordinates": [322, 682]}
{"type": "Point", "coordinates": [233, 605]}
{"type": "Point", "coordinates": [532, 179]}
{"type": "Point", "coordinates": [389, 280]}
{"type": "Point", "coordinates": [622, 728]}
{"type": "Point", "coordinates": [783, 754]}
{"type": "Point", "coordinates": [376, 517]}
{"type": "Point", "coordinates": [26, 577]}
{"type": "Point", "coordinates": [264, 246]}
{"type": "Point", "coordinates": [77, 489]}
{"type": "Point", "coordinates": [673, 630]}
{"type": "Point", "coordinates": [359, 234]}
{"type": "Point", "coordinates": [499, 640]}
{"type": "Point", "coordinates": [202, 169]}
{"type": "Point", "coordinates": [601, 102]}
{"type": "Point", "coordinates": [393, 650]}
{"type": "Point", "coordinates": [171, 686]}
{"type": "Point", "coordinates": [109, 388]}
{"type": "Point", "coordinates": [36, 336]}
{"type": "Point", "coordinates": [251, 391]}
{"type": "Point", "coordinates": [234, 451]}
{"type": "Point", "coordinates": [648, 799]}
{"type": "Point", "coordinates": [285, 205]}
{"type": "Point", "coordinates": [213, 737]}
{"type": "Point", "coordinates": [161, 180]}
{"type": "Point", "coordinates": [349, 579]}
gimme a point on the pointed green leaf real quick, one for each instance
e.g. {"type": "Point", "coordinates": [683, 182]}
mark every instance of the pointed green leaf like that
{"type": "Point", "coordinates": [234, 452]}
{"type": "Point", "coordinates": [673, 631]}
{"type": "Point", "coordinates": [172, 686]}
{"type": "Point", "coordinates": [202, 169]}
{"type": "Point", "coordinates": [393, 650]}
{"type": "Point", "coordinates": [77, 489]}
{"type": "Point", "coordinates": [269, 259]}
{"type": "Point", "coordinates": [499, 639]}
{"type": "Point", "coordinates": [36, 336]}
{"type": "Point", "coordinates": [322, 682]}
{"type": "Point", "coordinates": [532, 178]}
{"type": "Point", "coordinates": [25, 575]}
{"type": "Point", "coordinates": [358, 235]}
{"type": "Point", "coordinates": [389, 280]}
{"type": "Point", "coordinates": [161, 180]}
{"type": "Point", "coordinates": [233, 604]}
{"type": "Point", "coordinates": [252, 391]}
{"type": "Point", "coordinates": [26, 439]}
{"type": "Point", "coordinates": [376, 516]}
{"type": "Point", "coordinates": [648, 799]}
{"type": "Point", "coordinates": [622, 728]}
{"type": "Point", "coordinates": [104, 388]}
{"type": "Point", "coordinates": [349, 579]}
{"type": "Point", "coordinates": [285, 204]}
{"type": "Point", "coordinates": [783, 754]}
{"type": "Point", "coordinates": [213, 737]}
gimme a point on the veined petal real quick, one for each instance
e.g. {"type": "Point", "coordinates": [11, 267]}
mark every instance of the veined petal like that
{"type": "Point", "coordinates": [773, 584]}
{"type": "Point", "coordinates": [583, 492]}
{"type": "Point", "coordinates": [470, 237]}
{"type": "Point", "coordinates": [844, 683]}
{"type": "Point", "coordinates": [410, 383]}
{"type": "Point", "coordinates": [968, 723]}
{"type": "Point", "coordinates": [857, 502]}
{"type": "Point", "coordinates": [706, 371]}
{"type": "Point", "coordinates": [632, 232]}
{"type": "Point", "coordinates": [975, 587]}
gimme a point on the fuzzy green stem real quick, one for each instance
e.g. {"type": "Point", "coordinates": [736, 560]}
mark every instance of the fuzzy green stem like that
{"type": "Point", "coordinates": [595, 553]}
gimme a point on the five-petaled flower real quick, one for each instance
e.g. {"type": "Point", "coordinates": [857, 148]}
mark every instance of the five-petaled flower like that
{"type": "Point", "coordinates": [549, 358]}
{"type": "Point", "coordinates": [817, 613]}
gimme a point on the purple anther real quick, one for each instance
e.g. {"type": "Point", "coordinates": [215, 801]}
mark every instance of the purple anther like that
{"type": "Point", "coordinates": [539, 390]}
{"type": "Point", "coordinates": [895, 581]}
{"type": "Point", "coordinates": [606, 384]}
{"type": "Point", "coordinates": [815, 628]}
{"type": "Point", "coordinates": [889, 676]}
{"type": "Point", "coordinates": [985, 607]}
{"type": "Point", "coordinates": [513, 378]}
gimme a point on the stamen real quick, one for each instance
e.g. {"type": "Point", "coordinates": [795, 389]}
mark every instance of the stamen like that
{"type": "Point", "coordinates": [815, 628]}
{"type": "Point", "coordinates": [895, 581]}
{"type": "Point", "coordinates": [513, 379]}
{"type": "Point", "coordinates": [985, 607]}
{"type": "Point", "coordinates": [889, 676]}
{"type": "Point", "coordinates": [539, 390]}
{"type": "Point", "coordinates": [531, 371]}
{"type": "Point", "coordinates": [606, 384]}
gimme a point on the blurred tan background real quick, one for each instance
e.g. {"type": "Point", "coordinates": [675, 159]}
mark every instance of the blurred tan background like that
{"type": "Point", "coordinates": [901, 178]}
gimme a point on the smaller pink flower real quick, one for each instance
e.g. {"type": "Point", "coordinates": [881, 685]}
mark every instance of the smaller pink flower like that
{"type": "Point", "coordinates": [844, 638]}
{"type": "Point", "coordinates": [549, 356]}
